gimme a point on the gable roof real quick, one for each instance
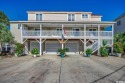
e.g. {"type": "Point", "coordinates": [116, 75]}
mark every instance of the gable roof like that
{"type": "Point", "coordinates": [122, 15]}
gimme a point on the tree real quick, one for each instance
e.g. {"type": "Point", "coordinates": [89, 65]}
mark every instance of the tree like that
{"type": "Point", "coordinates": [103, 49]}
{"type": "Point", "coordinates": [5, 34]}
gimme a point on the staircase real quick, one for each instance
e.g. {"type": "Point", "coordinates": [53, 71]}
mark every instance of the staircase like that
{"type": "Point", "coordinates": [93, 46]}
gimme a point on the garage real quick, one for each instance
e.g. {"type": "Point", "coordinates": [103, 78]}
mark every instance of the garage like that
{"type": "Point", "coordinates": [34, 44]}
{"type": "Point", "coordinates": [72, 46]}
{"type": "Point", "coordinates": [52, 47]}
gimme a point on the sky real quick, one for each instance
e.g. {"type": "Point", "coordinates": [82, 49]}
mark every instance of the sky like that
{"type": "Point", "coordinates": [17, 9]}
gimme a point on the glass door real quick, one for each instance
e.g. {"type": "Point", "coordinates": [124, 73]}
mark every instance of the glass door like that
{"type": "Point", "coordinates": [93, 32]}
{"type": "Point", "coordinates": [76, 32]}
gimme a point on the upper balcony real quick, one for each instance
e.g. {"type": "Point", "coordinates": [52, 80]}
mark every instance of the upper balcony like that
{"type": "Point", "coordinates": [73, 31]}
{"type": "Point", "coordinates": [68, 34]}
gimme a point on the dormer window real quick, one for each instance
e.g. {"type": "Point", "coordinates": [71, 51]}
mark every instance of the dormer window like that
{"type": "Point", "coordinates": [84, 16]}
{"type": "Point", "coordinates": [38, 17]}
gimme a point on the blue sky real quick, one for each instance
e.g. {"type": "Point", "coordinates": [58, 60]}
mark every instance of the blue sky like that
{"type": "Point", "coordinates": [109, 9]}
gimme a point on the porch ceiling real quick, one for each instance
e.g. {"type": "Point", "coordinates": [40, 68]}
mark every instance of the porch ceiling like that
{"type": "Point", "coordinates": [65, 25]}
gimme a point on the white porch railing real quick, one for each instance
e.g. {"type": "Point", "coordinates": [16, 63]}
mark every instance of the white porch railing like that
{"type": "Point", "coordinates": [68, 33]}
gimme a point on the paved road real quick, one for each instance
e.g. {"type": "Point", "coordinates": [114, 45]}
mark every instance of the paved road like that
{"type": "Point", "coordinates": [53, 69]}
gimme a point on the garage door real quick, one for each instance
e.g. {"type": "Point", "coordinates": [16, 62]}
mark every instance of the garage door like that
{"type": "Point", "coordinates": [34, 44]}
{"type": "Point", "coordinates": [52, 47]}
{"type": "Point", "coordinates": [72, 46]}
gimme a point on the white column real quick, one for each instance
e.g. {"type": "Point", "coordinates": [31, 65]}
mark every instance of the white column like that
{"type": "Point", "coordinates": [62, 46]}
{"type": "Point", "coordinates": [84, 30]}
{"type": "Point", "coordinates": [21, 27]}
{"type": "Point", "coordinates": [85, 46]}
{"type": "Point", "coordinates": [40, 29]}
{"type": "Point", "coordinates": [40, 47]}
{"type": "Point", "coordinates": [84, 39]}
{"type": "Point", "coordinates": [112, 38]}
{"type": "Point", "coordinates": [98, 39]}
{"type": "Point", "coordinates": [62, 39]}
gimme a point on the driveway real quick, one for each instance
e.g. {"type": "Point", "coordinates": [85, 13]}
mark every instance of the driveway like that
{"type": "Point", "coordinates": [71, 69]}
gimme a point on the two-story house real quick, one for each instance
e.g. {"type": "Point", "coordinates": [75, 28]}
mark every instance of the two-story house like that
{"type": "Point", "coordinates": [120, 24]}
{"type": "Point", "coordinates": [43, 30]}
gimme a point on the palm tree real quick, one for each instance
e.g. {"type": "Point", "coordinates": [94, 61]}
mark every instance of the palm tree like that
{"type": "Point", "coordinates": [5, 34]}
{"type": "Point", "coordinates": [103, 49]}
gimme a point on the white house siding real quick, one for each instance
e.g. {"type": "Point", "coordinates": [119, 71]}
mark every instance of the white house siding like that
{"type": "Point", "coordinates": [55, 17]}
{"type": "Point", "coordinates": [62, 16]}
{"type": "Point", "coordinates": [16, 32]}
{"type": "Point", "coordinates": [31, 16]}
{"type": "Point", "coordinates": [95, 19]}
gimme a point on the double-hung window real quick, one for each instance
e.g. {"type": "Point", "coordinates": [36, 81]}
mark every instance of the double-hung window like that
{"type": "Point", "coordinates": [71, 17]}
{"type": "Point", "coordinates": [84, 16]}
{"type": "Point", "coordinates": [38, 17]}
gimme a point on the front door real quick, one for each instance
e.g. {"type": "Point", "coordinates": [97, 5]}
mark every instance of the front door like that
{"type": "Point", "coordinates": [76, 32]}
{"type": "Point", "coordinates": [93, 32]}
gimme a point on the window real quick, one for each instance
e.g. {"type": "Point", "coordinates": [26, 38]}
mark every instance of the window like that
{"type": "Point", "coordinates": [71, 17]}
{"type": "Point", "coordinates": [118, 23]}
{"type": "Point", "coordinates": [38, 17]}
{"type": "Point", "coordinates": [19, 25]}
{"type": "Point", "coordinates": [84, 16]}
{"type": "Point", "coordinates": [92, 29]}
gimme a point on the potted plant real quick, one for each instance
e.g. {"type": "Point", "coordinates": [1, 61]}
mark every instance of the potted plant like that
{"type": "Point", "coordinates": [35, 52]}
{"type": "Point", "coordinates": [118, 48]}
{"type": "Point", "coordinates": [19, 49]}
{"type": "Point", "coordinates": [63, 52]}
{"type": "Point", "coordinates": [88, 52]}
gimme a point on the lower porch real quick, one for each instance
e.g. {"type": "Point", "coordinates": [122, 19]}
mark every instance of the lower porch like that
{"type": "Point", "coordinates": [75, 46]}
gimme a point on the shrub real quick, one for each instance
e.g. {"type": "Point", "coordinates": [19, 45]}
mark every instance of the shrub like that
{"type": "Point", "coordinates": [19, 49]}
{"type": "Point", "coordinates": [63, 51]}
{"type": "Point", "coordinates": [35, 51]}
{"type": "Point", "coordinates": [88, 51]}
{"type": "Point", "coordinates": [103, 49]}
{"type": "Point", "coordinates": [104, 52]}
{"type": "Point", "coordinates": [118, 48]}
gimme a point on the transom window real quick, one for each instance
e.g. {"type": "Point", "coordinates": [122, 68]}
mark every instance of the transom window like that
{"type": "Point", "coordinates": [84, 16]}
{"type": "Point", "coordinates": [38, 17]}
{"type": "Point", "coordinates": [59, 29]}
{"type": "Point", "coordinates": [92, 29]}
{"type": "Point", "coordinates": [71, 17]}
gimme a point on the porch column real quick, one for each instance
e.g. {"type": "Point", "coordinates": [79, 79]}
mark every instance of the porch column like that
{"type": "Point", "coordinates": [112, 38]}
{"type": "Point", "coordinates": [84, 39]}
{"type": "Point", "coordinates": [40, 47]}
{"type": "Point", "coordinates": [84, 30]}
{"type": "Point", "coordinates": [40, 29]}
{"type": "Point", "coordinates": [84, 46]}
{"type": "Point", "coordinates": [98, 39]}
{"type": "Point", "coordinates": [62, 37]}
{"type": "Point", "coordinates": [21, 27]}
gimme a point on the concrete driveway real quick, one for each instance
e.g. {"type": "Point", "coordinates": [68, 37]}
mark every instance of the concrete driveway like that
{"type": "Point", "coordinates": [71, 69]}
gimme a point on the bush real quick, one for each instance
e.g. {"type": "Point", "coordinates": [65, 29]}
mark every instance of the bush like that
{"type": "Point", "coordinates": [104, 52]}
{"type": "Point", "coordinates": [35, 51]}
{"type": "Point", "coordinates": [63, 51]}
{"type": "Point", "coordinates": [19, 49]}
{"type": "Point", "coordinates": [103, 49]}
{"type": "Point", "coordinates": [118, 48]}
{"type": "Point", "coordinates": [88, 51]}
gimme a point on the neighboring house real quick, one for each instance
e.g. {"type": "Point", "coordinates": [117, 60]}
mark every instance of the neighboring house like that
{"type": "Point", "coordinates": [43, 30]}
{"type": "Point", "coordinates": [120, 24]}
